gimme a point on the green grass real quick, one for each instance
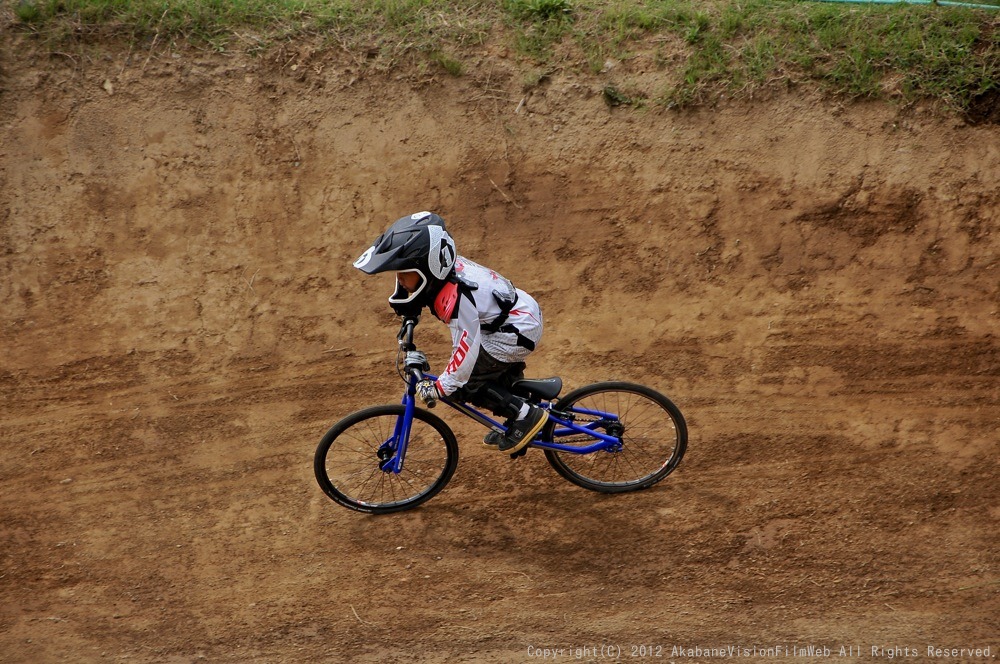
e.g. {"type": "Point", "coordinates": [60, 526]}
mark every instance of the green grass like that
{"type": "Point", "coordinates": [390, 27]}
{"type": "Point", "coordinates": [703, 48]}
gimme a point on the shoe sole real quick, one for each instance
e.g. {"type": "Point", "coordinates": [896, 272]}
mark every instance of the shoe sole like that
{"type": "Point", "coordinates": [528, 437]}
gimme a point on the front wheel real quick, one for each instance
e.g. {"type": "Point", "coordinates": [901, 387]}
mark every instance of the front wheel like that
{"type": "Point", "coordinates": [650, 428]}
{"type": "Point", "coordinates": [355, 460]}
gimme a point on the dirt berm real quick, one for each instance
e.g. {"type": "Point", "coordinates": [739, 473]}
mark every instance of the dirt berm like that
{"type": "Point", "coordinates": [814, 284]}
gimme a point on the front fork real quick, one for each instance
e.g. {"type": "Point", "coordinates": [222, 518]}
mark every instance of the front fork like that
{"type": "Point", "coordinates": [392, 452]}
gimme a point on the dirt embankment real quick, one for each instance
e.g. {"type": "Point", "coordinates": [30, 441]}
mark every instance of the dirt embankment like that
{"type": "Point", "coordinates": [816, 287]}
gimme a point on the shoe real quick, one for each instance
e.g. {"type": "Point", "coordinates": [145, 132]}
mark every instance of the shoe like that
{"type": "Point", "coordinates": [493, 439]}
{"type": "Point", "coordinates": [523, 431]}
{"type": "Point", "coordinates": [492, 442]}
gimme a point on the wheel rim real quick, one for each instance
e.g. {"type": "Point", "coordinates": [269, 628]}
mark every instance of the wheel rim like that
{"type": "Point", "coordinates": [354, 463]}
{"type": "Point", "coordinates": [649, 437]}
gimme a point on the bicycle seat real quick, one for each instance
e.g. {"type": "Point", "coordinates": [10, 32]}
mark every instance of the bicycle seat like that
{"type": "Point", "coordinates": [546, 388]}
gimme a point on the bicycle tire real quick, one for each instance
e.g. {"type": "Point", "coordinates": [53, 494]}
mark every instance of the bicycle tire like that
{"type": "Point", "coordinates": [642, 460]}
{"type": "Point", "coordinates": [348, 466]}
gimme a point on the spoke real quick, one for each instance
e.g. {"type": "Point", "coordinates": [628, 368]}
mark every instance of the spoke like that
{"type": "Point", "coordinates": [626, 457]}
{"type": "Point", "coordinates": [404, 477]}
{"type": "Point", "coordinates": [388, 481]}
{"type": "Point", "coordinates": [370, 470]}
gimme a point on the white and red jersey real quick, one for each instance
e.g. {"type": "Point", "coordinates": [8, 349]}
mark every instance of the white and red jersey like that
{"type": "Point", "coordinates": [473, 309]}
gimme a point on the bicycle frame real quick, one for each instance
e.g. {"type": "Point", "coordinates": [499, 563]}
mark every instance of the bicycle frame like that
{"type": "Point", "coordinates": [395, 447]}
{"type": "Point", "coordinates": [401, 435]}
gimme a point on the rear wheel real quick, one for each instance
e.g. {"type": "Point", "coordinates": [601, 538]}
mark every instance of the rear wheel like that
{"type": "Point", "coordinates": [353, 462]}
{"type": "Point", "coordinates": [651, 431]}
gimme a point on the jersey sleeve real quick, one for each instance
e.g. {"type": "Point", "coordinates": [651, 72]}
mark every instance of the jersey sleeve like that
{"type": "Point", "coordinates": [466, 341]}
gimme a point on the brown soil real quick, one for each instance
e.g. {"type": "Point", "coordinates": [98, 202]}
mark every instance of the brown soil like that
{"type": "Point", "coordinates": [816, 286]}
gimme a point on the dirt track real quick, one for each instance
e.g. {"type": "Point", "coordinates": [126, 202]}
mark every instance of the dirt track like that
{"type": "Point", "coordinates": [815, 286]}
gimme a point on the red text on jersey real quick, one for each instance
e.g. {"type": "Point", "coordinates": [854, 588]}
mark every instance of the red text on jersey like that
{"type": "Point", "coordinates": [461, 350]}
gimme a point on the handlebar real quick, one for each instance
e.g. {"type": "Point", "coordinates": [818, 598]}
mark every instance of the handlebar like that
{"type": "Point", "coordinates": [414, 362]}
{"type": "Point", "coordinates": [405, 336]}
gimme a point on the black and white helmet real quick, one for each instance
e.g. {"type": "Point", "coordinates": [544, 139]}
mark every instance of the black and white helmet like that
{"type": "Point", "coordinates": [416, 243]}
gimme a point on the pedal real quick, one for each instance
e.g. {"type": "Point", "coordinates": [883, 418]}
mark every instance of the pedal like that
{"type": "Point", "coordinates": [520, 453]}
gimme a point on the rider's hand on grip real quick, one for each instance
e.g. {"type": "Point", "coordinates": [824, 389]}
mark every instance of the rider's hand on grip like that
{"type": "Point", "coordinates": [428, 392]}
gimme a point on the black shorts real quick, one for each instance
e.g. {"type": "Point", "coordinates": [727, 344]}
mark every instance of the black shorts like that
{"type": "Point", "coordinates": [491, 372]}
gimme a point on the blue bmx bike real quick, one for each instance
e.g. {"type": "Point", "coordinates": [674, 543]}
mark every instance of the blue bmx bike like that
{"type": "Point", "coordinates": [609, 437]}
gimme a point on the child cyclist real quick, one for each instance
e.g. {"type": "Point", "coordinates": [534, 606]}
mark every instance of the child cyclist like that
{"type": "Point", "coordinates": [494, 326]}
